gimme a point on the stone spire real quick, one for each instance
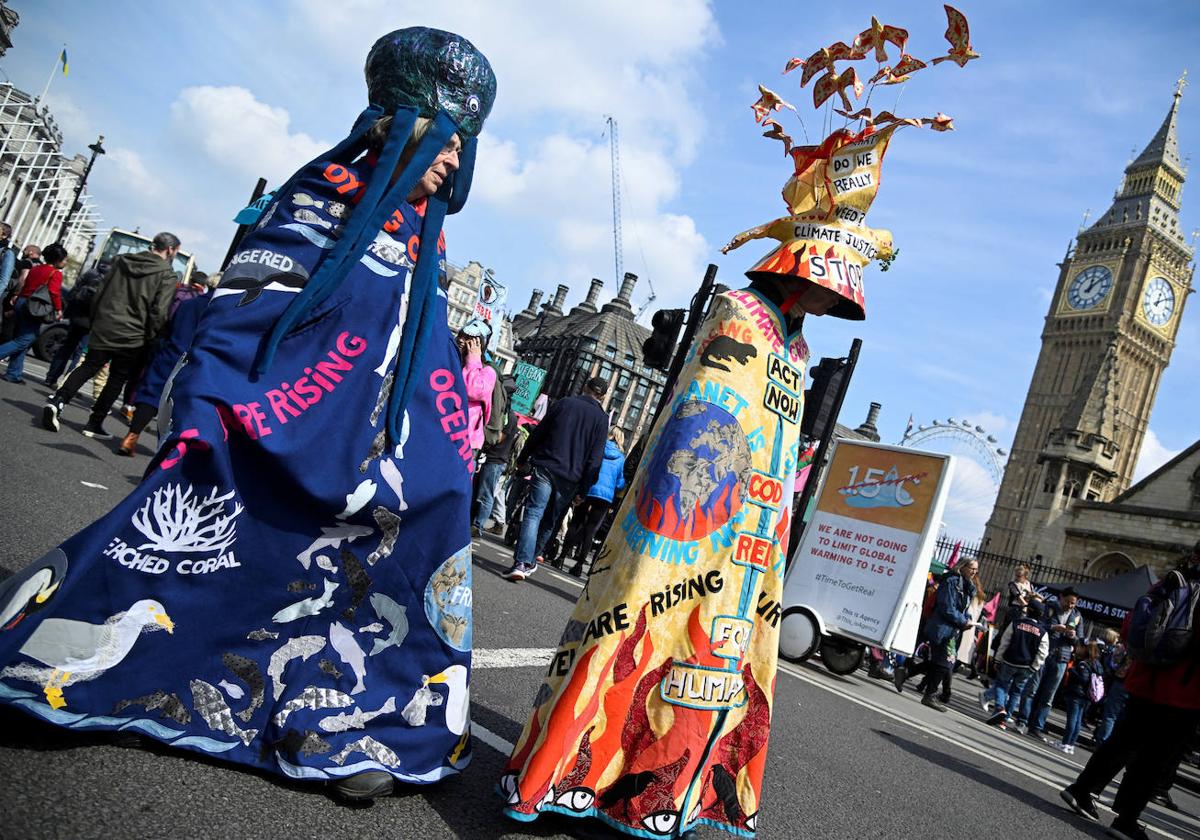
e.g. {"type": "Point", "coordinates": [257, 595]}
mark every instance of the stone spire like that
{"type": "Point", "coordinates": [1093, 410]}
{"type": "Point", "coordinates": [1163, 148]}
{"type": "Point", "coordinates": [868, 429]}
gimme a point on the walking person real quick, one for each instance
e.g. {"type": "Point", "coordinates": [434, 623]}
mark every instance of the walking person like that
{"type": "Point", "coordinates": [943, 631]}
{"type": "Point", "coordinates": [1065, 623]}
{"type": "Point", "coordinates": [128, 313]}
{"type": "Point", "coordinates": [1163, 709]}
{"type": "Point", "coordinates": [480, 379]}
{"type": "Point", "coordinates": [1022, 651]}
{"type": "Point", "coordinates": [1078, 693]}
{"type": "Point", "coordinates": [38, 302]}
{"type": "Point", "coordinates": [589, 514]}
{"type": "Point", "coordinates": [564, 451]}
{"type": "Point", "coordinates": [79, 321]}
{"type": "Point", "coordinates": [31, 256]}
{"type": "Point", "coordinates": [489, 496]}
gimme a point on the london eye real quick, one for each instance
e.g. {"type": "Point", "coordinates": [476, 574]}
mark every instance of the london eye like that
{"type": "Point", "coordinates": [976, 482]}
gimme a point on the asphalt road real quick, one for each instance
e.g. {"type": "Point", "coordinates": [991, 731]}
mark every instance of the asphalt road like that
{"type": "Point", "coordinates": [849, 758]}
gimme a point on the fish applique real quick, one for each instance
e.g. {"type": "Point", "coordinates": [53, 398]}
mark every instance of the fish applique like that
{"type": "Point", "coordinates": [295, 743]}
{"type": "Point", "coordinates": [213, 709]}
{"type": "Point", "coordinates": [261, 635]}
{"type": "Point", "coordinates": [358, 719]}
{"type": "Point", "coordinates": [167, 705]}
{"type": "Point", "coordinates": [359, 582]}
{"type": "Point", "coordinates": [301, 586]}
{"type": "Point", "coordinates": [234, 691]}
{"type": "Point", "coordinates": [374, 627]}
{"type": "Point", "coordinates": [357, 500]}
{"type": "Point", "coordinates": [313, 697]}
{"type": "Point", "coordinates": [371, 748]}
{"type": "Point", "coordinates": [389, 526]}
{"type": "Point", "coordinates": [326, 565]}
{"type": "Point", "coordinates": [307, 607]}
{"type": "Point", "coordinates": [395, 615]}
{"type": "Point", "coordinates": [247, 671]}
{"type": "Point", "coordinates": [333, 537]}
{"type": "Point", "coordinates": [344, 643]}
{"type": "Point", "coordinates": [415, 711]}
{"type": "Point", "coordinates": [327, 667]}
{"type": "Point", "coordinates": [301, 646]}
{"type": "Point", "coordinates": [391, 474]}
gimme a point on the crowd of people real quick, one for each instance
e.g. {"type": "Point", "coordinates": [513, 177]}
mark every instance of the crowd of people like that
{"type": "Point", "coordinates": [1138, 690]}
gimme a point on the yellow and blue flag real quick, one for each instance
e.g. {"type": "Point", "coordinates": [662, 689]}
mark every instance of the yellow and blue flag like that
{"type": "Point", "coordinates": [64, 60]}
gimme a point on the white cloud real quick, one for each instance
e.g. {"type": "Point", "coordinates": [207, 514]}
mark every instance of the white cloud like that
{"type": "Point", "coordinates": [242, 134]}
{"type": "Point", "coordinates": [124, 169]}
{"type": "Point", "coordinates": [1153, 455]}
{"type": "Point", "coordinates": [970, 500]}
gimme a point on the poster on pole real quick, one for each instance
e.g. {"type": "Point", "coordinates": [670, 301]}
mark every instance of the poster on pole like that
{"type": "Point", "coordinates": [529, 384]}
{"type": "Point", "coordinates": [489, 306]}
{"type": "Point", "coordinates": [862, 563]}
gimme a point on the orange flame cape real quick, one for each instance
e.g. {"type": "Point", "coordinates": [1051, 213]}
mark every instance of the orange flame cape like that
{"type": "Point", "coordinates": [655, 712]}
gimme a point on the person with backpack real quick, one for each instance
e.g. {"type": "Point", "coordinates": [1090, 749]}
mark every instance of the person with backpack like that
{"type": "Point", "coordinates": [1023, 649]}
{"type": "Point", "coordinates": [39, 302]}
{"type": "Point", "coordinates": [79, 320]}
{"type": "Point", "coordinates": [1084, 686]}
{"type": "Point", "coordinates": [1163, 709]}
{"type": "Point", "coordinates": [943, 630]}
{"type": "Point", "coordinates": [496, 454]}
{"type": "Point", "coordinates": [590, 513]}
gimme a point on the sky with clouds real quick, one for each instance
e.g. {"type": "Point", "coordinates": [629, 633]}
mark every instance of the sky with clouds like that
{"type": "Point", "coordinates": [197, 100]}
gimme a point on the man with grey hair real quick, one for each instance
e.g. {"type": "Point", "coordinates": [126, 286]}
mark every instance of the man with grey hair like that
{"type": "Point", "coordinates": [128, 312]}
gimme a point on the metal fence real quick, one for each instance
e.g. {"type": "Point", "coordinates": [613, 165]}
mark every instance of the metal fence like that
{"type": "Point", "coordinates": [996, 570]}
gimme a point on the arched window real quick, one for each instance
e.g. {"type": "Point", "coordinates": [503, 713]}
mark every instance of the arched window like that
{"type": "Point", "coordinates": [1110, 564]}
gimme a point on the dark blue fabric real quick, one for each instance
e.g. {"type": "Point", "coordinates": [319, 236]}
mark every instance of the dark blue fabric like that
{"type": "Point", "coordinates": [612, 474]}
{"type": "Point", "coordinates": [181, 329]}
{"type": "Point", "coordinates": [315, 575]}
{"type": "Point", "coordinates": [1024, 642]}
{"type": "Point", "coordinates": [949, 615]}
{"type": "Point", "coordinates": [569, 441]}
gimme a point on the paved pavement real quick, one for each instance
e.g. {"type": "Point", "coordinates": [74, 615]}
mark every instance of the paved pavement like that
{"type": "Point", "coordinates": [849, 758]}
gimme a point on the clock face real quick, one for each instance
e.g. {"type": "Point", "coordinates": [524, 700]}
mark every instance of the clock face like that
{"type": "Point", "coordinates": [1089, 287]}
{"type": "Point", "coordinates": [1158, 303]}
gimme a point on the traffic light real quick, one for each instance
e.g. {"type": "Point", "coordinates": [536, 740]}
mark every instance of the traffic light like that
{"type": "Point", "coordinates": [659, 348]}
{"type": "Point", "coordinates": [822, 397]}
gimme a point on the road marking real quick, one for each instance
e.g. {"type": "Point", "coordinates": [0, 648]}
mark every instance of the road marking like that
{"type": "Point", "coordinates": [1057, 784]}
{"type": "Point", "coordinates": [490, 738]}
{"type": "Point", "coordinates": [511, 657]}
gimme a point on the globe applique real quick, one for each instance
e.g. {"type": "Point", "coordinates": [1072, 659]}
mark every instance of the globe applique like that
{"type": "Point", "coordinates": [694, 484]}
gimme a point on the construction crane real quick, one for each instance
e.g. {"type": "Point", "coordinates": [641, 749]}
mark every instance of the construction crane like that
{"type": "Point", "coordinates": [614, 150]}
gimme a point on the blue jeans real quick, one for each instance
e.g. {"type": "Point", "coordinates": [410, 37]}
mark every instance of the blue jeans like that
{"type": "Point", "coordinates": [1039, 697]}
{"type": "Point", "coordinates": [1114, 706]}
{"type": "Point", "coordinates": [24, 334]}
{"type": "Point", "coordinates": [1076, 706]}
{"type": "Point", "coordinates": [68, 352]}
{"type": "Point", "coordinates": [544, 505]}
{"type": "Point", "coordinates": [489, 477]}
{"type": "Point", "coordinates": [1005, 692]}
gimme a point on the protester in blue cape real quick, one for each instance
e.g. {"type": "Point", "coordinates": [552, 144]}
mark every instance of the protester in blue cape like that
{"type": "Point", "coordinates": [289, 586]}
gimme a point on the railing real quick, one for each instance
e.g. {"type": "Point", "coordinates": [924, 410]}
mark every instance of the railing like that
{"type": "Point", "coordinates": [996, 570]}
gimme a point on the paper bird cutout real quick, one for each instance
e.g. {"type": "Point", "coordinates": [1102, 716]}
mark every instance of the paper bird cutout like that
{"type": "Point", "coordinates": [823, 59]}
{"type": "Point", "coordinates": [905, 68]}
{"type": "Point", "coordinates": [875, 36]}
{"type": "Point", "coordinates": [832, 83]}
{"type": "Point", "coordinates": [775, 132]}
{"type": "Point", "coordinates": [792, 65]}
{"type": "Point", "coordinates": [769, 101]}
{"type": "Point", "coordinates": [863, 114]}
{"type": "Point", "coordinates": [887, 118]}
{"type": "Point", "coordinates": [941, 122]}
{"type": "Point", "coordinates": [959, 36]}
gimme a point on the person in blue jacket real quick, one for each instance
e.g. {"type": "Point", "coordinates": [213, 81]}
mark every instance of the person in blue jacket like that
{"type": "Point", "coordinates": [595, 506]}
{"type": "Point", "coordinates": [943, 630]}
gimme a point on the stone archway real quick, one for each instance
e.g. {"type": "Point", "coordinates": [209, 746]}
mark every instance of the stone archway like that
{"type": "Point", "coordinates": [1111, 564]}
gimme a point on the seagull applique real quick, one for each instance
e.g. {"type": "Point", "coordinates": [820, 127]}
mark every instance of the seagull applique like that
{"type": "Point", "coordinates": [76, 651]}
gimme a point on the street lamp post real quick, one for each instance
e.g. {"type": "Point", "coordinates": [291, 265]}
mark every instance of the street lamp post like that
{"type": "Point", "coordinates": [97, 149]}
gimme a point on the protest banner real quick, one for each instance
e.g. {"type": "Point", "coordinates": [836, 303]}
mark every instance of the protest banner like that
{"type": "Point", "coordinates": [529, 384]}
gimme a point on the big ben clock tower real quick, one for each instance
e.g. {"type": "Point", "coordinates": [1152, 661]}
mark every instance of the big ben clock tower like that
{"type": "Point", "coordinates": [1107, 339]}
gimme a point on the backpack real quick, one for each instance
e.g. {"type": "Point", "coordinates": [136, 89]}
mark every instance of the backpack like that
{"type": "Point", "coordinates": [40, 305]}
{"type": "Point", "coordinates": [1162, 626]}
{"type": "Point", "coordinates": [1095, 688]}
